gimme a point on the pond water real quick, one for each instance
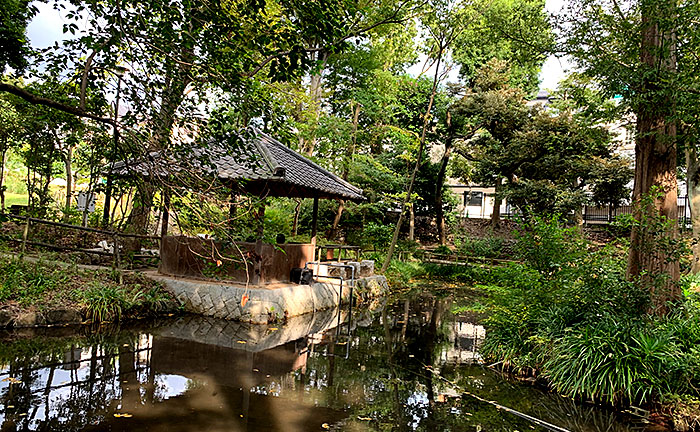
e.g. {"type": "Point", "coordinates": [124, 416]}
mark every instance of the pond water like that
{"type": "Point", "coordinates": [396, 365]}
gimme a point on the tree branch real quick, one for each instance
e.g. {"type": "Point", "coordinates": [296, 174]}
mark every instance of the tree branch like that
{"type": "Point", "coordinates": [38, 100]}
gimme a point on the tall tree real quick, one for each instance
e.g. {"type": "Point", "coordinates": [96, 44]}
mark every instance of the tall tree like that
{"type": "Point", "coordinates": [631, 49]}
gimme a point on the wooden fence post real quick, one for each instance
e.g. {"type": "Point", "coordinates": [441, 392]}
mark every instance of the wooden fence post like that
{"type": "Point", "coordinates": [25, 236]}
{"type": "Point", "coordinates": [116, 258]}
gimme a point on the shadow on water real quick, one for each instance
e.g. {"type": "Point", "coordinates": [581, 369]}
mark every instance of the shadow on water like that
{"type": "Point", "coordinates": [379, 370]}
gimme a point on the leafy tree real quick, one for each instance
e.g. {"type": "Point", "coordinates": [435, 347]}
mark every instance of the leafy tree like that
{"type": "Point", "coordinates": [541, 160]}
{"type": "Point", "coordinates": [10, 126]}
{"type": "Point", "coordinates": [14, 17]}
{"type": "Point", "coordinates": [517, 31]}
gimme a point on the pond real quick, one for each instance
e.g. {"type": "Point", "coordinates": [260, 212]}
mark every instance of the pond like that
{"type": "Point", "coordinates": [395, 365]}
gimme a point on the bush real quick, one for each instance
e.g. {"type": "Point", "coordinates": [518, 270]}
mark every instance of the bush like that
{"type": "Point", "coordinates": [487, 247]}
{"type": "Point", "coordinates": [377, 235]}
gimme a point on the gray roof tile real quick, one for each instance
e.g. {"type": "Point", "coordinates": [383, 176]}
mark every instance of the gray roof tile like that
{"type": "Point", "coordinates": [267, 166]}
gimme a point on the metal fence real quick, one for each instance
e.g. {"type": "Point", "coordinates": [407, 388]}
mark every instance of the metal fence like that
{"type": "Point", "coordinates": [606, 214]}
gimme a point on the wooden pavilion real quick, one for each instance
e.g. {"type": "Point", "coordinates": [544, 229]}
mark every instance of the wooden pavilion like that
{"type": "Point", "coordinates": [263, 167]}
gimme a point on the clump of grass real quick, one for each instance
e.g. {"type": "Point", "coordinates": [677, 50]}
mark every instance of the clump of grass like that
{"type": "Point", "coordinates": [103, 302]}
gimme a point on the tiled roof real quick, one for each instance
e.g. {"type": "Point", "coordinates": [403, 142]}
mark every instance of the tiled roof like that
{"type": "Point", "coordinates": [260, 164]}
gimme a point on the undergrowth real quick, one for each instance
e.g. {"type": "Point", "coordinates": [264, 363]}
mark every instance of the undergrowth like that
{"type": "Point", "coordinates": [570, 314]}
{"type": "Point", "coordinates": [43, 285]}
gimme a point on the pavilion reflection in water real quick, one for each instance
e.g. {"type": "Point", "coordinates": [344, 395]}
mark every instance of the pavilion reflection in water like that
{"type": "Point", "coordinates": [192, 373]}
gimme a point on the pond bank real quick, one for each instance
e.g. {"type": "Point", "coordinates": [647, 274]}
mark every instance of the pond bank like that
{"type": "Point", "coordinates": [37, 292]}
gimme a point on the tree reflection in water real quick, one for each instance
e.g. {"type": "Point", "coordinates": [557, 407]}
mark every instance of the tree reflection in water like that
{"type": "Point", "coordinates": [376, 372]}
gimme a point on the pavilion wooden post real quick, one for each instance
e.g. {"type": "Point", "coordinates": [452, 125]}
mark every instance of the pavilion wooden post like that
{"type": "Point", "coordinates": [258, 276]}
{"type": "Point", "coordinates": [314, 225]}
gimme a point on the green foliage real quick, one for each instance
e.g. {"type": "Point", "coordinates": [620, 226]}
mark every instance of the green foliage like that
{"type": "Point", "coordinates": [27, 282]}
{"type": "Point", "coordinates": [14, 16]}
{"type": "Point", "coordinates": [377, 235]}
{"type": "Point", "coordinates": [570, 313]}
{"type": "Point", "coordinates": [458, 273]}
{"type": "Point", "coordinates": [614, 362]}
{"type": "Point", "coordinates": [546, 245]}
{"type": "Point", "coordinates": [402, 273]}
{"type": "Point", "coordinates": [488, 247]}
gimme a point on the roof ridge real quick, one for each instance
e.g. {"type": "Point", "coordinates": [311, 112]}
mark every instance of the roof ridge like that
{"type": "Point", "coordinates": [265, 152]}
{"type": "Point", "coordinates": [310, 162]}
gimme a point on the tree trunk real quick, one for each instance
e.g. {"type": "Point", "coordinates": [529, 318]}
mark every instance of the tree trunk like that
{"type": "Point", "coordinates": [315, 93]}
{"type": "Point", "coordinates": [161, 124]}
{"type": "Point", "coordinates": [350, 150]}
{"type": "Point", "coordinates": [439, 183]}
{"type": "Point", "coordinates": [649, 262]}
{"type": "Point", "coordinates": [496, 213]}
{"type": "Point", "coordinates": [419, 157]}
{"type": "Point", "coordinates": [411, 222]}
{"type": "Point", "coordinates": [3, 162]}
{"type": "Point", "coordinates": [295, 224]}
{"type": "Point", "coordinates": [69, 180]}
{"type": "Point", "coordinates": [693, 182]}
{"type": "Point", "coordinates": [336, 220]}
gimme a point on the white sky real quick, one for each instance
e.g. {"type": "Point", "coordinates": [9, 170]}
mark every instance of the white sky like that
{"type": "Point", "coordinates": [47, 28]}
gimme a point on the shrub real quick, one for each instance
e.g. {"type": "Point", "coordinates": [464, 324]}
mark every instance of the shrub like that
{"type": "Point", "coordinates": [377, 235]}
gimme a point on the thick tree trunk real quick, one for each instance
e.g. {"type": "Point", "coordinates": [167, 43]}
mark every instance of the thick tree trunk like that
{"type": "Point", "coordinates": [693, 182]}
{"type": "Point", "coordinates": [161, 124]}
{"type": "Point", "coordinates": [655, 166]}
{"type": "Point", "coordinates": [439, 183]}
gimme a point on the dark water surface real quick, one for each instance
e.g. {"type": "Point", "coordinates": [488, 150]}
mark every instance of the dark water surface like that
{"type": "Point", "coordinates": [390, 367]}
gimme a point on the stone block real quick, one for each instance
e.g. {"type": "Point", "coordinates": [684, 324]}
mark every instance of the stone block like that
{"type": "Point", "coordinates": [338, 272]}
{"type": "Point", "coordinates": [366, 268]}
{"type": "Point", "coordinates": [356, 266]}
{"type": "Point", "coordinates": [29, 319]}
{"type": "Point", "coordinates": [63, 316]}
{"type": "Point", "coordinates": [6, 317]}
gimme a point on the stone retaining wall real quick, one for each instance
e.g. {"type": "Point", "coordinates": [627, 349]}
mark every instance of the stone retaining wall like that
{"type": "Point", "coordinates": [222, 300]}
